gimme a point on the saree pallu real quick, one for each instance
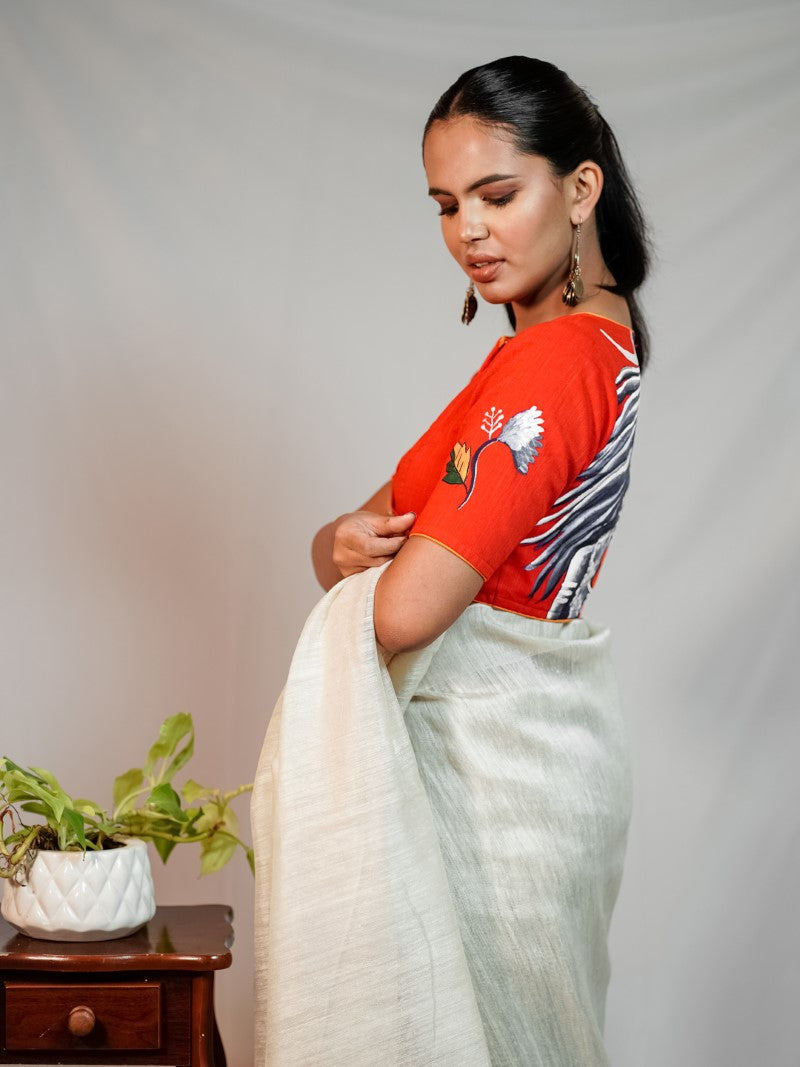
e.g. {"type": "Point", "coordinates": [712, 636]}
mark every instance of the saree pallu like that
{"type": "Point", "coordinates": [439, 840]}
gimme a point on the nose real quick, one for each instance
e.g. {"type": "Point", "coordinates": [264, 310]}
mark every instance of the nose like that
{"type": "Point", "coordinates": [473, 229]}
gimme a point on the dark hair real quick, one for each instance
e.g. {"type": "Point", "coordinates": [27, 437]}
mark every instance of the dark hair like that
{"type": "Point", "coordinates": [550, 116]}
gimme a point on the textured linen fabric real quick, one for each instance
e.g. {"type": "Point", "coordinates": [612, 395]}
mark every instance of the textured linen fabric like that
{"type": "Point", "coordinates": [439, 839]}
{"type": "Point", "coordinates": [534, 516]}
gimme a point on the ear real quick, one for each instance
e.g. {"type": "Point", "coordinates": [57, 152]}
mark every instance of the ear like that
{"type": "Point", "coordinates": [584, 186]}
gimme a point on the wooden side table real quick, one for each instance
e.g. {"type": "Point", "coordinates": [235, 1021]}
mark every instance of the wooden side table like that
{"type": "Point", "coordinates": [143, 999]}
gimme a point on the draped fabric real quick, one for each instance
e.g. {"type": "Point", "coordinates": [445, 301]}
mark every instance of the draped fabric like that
{"type": "Point", "coordinates": [226, 311]}
{"type": "Point", "coordinates": [439, 841]}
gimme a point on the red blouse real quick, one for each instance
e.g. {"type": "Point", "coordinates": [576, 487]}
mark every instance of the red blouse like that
{"type": "Point", "coordinates": [535, 516]}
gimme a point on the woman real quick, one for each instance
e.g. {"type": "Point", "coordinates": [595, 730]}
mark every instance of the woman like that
{"type": "Point", "coordinates": [442, 815]}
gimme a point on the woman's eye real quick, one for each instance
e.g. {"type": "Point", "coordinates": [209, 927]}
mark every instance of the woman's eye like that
{"type": "Point", "coordinates": [447, 209]}
{"type": "Point", "coordinates": [500, 201]}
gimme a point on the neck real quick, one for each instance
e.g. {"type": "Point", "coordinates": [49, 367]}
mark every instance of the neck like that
{"type": "Point", "coordinates": [596, 300]}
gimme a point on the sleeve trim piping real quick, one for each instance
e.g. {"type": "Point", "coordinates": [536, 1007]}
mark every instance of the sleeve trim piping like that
{"type": "Point", "coordinates": [468, 562]}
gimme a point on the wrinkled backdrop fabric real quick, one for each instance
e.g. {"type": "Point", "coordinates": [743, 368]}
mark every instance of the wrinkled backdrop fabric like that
{"type": "Point", "coordinates": [227, 312]}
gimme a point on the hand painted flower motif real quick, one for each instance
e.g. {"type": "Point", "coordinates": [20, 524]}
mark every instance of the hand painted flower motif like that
{"type": "Point", "coordinates": [522, 435]}
{"type": "Point", "coordinates": [492, 420]}
{"type": "Point", "coordinates": [458, 465]}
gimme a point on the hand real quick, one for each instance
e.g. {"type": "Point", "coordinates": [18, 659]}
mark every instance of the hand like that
{"type": "Point", "coordinates": [365, 539]}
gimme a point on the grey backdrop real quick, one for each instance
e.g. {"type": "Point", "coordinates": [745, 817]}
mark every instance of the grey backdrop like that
{"type": "Point", "coordinates": [226, 313]}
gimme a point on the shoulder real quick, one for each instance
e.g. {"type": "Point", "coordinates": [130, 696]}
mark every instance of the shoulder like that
{"type": "Point", "coordinates": [579, 353]}
{"type": "Point", "coordinates": [579, 336]}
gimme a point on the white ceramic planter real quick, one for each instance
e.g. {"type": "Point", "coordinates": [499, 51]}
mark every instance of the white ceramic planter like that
{"type": "Point", "coordinates": [77, 896]}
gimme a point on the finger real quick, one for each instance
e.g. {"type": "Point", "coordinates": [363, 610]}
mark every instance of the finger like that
{"type": "Point", "coordinates": [394, 524]}
{"type": "Point", "coordinates": [386, 546]}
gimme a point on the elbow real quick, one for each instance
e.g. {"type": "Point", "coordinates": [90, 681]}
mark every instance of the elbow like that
{"type": "Point", "coordinates": [397, 638]}
{"type": "Point", "coordinates": [398, 630]}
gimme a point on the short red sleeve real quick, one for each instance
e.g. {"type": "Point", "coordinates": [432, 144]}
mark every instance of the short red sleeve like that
{"type": "Point", "coordinates": [511, 445]}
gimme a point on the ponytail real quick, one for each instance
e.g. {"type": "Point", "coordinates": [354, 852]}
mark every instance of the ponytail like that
{"type": "Point", "coordinates": [622, 233]}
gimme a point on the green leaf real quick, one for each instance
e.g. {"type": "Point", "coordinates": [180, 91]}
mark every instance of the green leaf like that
{"type": "Point", "coordinates": [17, 791]}
{"type": "Point", "coordinates": [251, 859]}
{"type": "Point", "coordinates": [127, 784]}
{"type": "Point", "coordinates": [166, 800]}
{"type": "Point", "coordinates": [172, 732]}
{"type": "Point", "coordinates": [216, 852]}
{"type": "Point", "coordinates": [24, 786]}
{"type": "Point", "coordinates": [452, 477]}
{"type": "Point", "coordinates": [12, 766]}
{"type": "Point", "coordinates": [50, 779]}
{"type": "Point", "coordinates": [193, 791]}
{"type": "Point", "coordinates": [163, 848]}
{"type": "Point", "coordinates": [212, 816]}
{"type": "Point", "coordinates": [230, 821]}
{"type": "Point", "coordinates": [74, 821]}
{"type": "Point", "coordinates": [192, 815]}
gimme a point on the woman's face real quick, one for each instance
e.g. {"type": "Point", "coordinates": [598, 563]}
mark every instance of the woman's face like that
{"type": "Point", "coordinates": [506, 219]}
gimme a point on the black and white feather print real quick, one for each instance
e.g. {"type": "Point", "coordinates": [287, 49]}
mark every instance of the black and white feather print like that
{"type": "Point", "coordinates": [582, 520]}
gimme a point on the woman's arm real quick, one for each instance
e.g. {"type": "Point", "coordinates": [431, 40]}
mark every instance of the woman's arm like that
{"type": "Point", "coordinates": [365, 538]}
{"type": "Point", "coordinates": [423, 592]}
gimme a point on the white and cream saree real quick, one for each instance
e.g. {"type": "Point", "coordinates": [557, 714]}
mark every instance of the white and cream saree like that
{"type": "Point", "coordinates": [439, 841]}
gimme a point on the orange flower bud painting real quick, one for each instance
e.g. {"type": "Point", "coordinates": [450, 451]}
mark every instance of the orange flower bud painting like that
{"type": "Point", "coordinates": [458, 465]}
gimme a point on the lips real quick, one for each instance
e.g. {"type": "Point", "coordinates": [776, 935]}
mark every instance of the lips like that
{"type": "Point", "coordinates": [483, 268]}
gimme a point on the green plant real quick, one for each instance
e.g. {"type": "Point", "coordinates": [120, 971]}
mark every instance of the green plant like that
{"type": "Point", "coordinates": [146, 805]}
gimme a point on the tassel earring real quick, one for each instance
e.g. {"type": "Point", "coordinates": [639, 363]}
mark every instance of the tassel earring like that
{"type": "Point", "coordinates": [470, 305]}
{"type": "Point", "coordinates": [573, 290]}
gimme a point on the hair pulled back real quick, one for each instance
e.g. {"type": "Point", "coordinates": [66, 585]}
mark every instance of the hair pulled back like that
{"type": "Point", "coordinates": [549, 115]}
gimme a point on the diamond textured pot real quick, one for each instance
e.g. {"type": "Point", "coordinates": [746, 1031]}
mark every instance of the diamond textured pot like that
{"type": "Point", "coordinates": [77, 896]}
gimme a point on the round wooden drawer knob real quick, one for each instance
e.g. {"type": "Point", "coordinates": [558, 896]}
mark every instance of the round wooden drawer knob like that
{"type": "Point", "coordinates": [81, 1021]}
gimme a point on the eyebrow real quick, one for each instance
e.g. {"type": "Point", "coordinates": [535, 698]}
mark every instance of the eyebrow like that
{"type": "Point", "coordinates": [433, 191]}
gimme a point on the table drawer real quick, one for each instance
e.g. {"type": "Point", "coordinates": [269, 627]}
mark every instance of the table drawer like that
{"type": "Point", "coordinates": [97, 1015]}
